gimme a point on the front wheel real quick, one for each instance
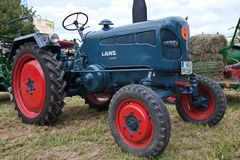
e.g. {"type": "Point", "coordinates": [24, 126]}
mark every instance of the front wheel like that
{"type": "Point", "coordinates": [212, 108]}
{"type": "Point", "coordinates": [139, 121]}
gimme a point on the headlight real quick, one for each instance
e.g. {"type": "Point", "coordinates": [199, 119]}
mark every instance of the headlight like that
{"type": "Point", "coordinates": [54, 38]}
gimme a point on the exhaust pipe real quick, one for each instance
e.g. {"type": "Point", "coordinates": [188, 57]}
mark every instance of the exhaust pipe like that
{"type": "Point", "coordinates": [139, 11]}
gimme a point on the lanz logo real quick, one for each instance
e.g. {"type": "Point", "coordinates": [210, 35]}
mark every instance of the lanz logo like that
{"type": "Point", "coordinates": [109, 53]}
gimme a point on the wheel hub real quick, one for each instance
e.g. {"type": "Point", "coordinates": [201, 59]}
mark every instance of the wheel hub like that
{"type": "Point", "coordinates": [201, 102]}
{"type": "Point", "coordinates": [134, 123]}
{"type": "Point", "coordinates": [30, 85]}
{"type": "Point", "coordinates": [201, 107]}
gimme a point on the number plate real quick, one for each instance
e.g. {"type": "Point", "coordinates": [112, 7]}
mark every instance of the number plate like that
{"type": "Point", "coordinates": [186, 67]}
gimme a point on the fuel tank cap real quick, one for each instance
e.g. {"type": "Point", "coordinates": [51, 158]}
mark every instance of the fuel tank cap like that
{"type": "Point", "coordinates": [106, 24]}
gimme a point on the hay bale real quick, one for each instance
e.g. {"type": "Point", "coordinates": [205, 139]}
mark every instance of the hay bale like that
{"type": "Point", "coordinates": [210, 69]}
{"type": "Point", "coordinates": [206, 44]}
{"type": "Point", "coordinates": [206, 57]}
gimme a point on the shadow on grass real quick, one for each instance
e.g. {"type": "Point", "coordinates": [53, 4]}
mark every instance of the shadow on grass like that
{"type": "Point", "coordinates": [80, 113]}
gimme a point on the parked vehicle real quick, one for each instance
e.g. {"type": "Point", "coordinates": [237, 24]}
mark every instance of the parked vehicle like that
{"type": "Point", "coordinates": [131, 68]}
{"type": "Point", "coordinates": [5, 47]}
{"type": "Point", "coordinates": [229, 73]}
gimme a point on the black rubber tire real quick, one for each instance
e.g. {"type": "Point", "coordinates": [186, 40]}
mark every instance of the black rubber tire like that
{"type": "Point", "coordinates": [219, 101]}
{"type": "Point", "coordinates": [157, 110]}
{"type": "Point", "coordinates": [100, 107]}
{"type": "Point", "coordinates": [55, 84]}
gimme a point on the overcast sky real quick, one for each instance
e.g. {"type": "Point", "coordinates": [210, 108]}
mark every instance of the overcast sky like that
{"type": "Point", "coordinates": [207, 16]}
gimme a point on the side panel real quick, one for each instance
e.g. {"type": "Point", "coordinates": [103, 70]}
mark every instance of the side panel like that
{"type": "Point", "coordinates": [121, 55]}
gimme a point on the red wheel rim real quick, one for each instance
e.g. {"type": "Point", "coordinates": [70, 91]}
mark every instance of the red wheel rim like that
{"type": "Point", "coordinates": [195, 113]}
{"type": "Point", "coordinates": [134, 124]}
{"type": "Point", "coordinates": [99, 99]}
{"type": "Point", "coordinates": [29, 86]}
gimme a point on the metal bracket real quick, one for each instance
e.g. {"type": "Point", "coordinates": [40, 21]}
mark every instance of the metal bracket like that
{"type": "Point", "coordinates": [148, 80]}
{"type": "Point", "coordinates": [194, 83]}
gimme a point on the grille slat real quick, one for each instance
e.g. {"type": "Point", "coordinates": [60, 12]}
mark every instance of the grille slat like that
{"type": "Point", "coordinates": [170, 45]}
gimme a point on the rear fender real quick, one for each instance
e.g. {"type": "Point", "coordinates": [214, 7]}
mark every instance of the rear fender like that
{"type": "Point", "coordinates": [41, 39]}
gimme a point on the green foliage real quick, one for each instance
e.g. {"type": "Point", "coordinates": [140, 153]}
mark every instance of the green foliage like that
{"type": "Point", "coordinates": [10, 10]}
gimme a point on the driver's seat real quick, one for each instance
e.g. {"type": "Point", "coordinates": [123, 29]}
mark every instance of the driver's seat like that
{"type": "Point", "coordinates": [66, 44]}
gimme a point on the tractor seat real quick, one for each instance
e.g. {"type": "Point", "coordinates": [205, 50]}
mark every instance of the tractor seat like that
{"type": "Point", "coordinates": [66, 44]}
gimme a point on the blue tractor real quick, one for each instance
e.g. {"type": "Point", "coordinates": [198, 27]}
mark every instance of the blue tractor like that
{"type": "Point", "coordinates": [131, 69]}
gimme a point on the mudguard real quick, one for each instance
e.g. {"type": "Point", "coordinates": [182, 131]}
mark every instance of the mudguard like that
{"type": "Point", "coordinates": [41, 39]}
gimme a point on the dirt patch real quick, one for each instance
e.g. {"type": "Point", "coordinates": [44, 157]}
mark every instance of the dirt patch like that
{"type": "Point", "coordinates": [90, 153]}
{"type": "Point", "coordinates": [58, 153]}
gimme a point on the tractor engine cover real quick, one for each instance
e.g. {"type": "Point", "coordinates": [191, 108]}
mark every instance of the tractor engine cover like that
{"type": "Point", "coordinates": [95, 81]}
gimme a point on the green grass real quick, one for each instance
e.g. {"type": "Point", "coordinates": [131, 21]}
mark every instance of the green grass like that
{"type": "Point", "coordinates": [83, 133]}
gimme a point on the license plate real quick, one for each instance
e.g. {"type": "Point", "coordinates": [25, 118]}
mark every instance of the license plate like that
{"type": "Point", "coordinates": [186, 67]}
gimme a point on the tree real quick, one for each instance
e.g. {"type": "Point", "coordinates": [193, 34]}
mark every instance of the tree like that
{"type": "Point", "coordinates": [10, 10]}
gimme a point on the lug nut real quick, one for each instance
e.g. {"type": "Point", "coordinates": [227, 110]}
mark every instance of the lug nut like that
{"type": "Point", "coordinates": [131, 135]}
{"type": "Point", "coordinates": [139, 132]}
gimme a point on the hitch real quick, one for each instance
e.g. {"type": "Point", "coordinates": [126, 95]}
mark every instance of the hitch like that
{"type": "Point", "coordinates": [191, 88]}
{"type": "Point", "coordinates": [188, 87]}
{"type": "Point", "coordinates": [194, 83]}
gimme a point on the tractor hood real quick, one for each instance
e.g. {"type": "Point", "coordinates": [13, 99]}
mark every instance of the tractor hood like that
{"type": "Point", "coordinates": [172, 22]}
{"type": "Point", "coordinates": [159, 44]}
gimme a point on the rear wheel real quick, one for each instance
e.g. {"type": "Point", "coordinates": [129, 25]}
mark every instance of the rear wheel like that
{"type": "Point", "coordinates": [37, 85]}
{"type": "Point", "coordinates": [212, 108]}
{"type": "Point", "coordinates": [139, 121]}
{"type": "Point", "coordinates": [99, 101]}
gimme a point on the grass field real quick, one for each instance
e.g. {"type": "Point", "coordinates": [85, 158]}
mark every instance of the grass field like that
{"type": "Point", "coordinates": [83, 133]}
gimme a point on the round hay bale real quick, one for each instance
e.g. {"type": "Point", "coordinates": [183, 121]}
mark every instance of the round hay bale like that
{"type": "Point", "coordinates": [206, 44]}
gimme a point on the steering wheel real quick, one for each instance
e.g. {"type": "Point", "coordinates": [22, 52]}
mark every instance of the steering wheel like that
{"type": "Point", "coordinates": [71, 22]}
